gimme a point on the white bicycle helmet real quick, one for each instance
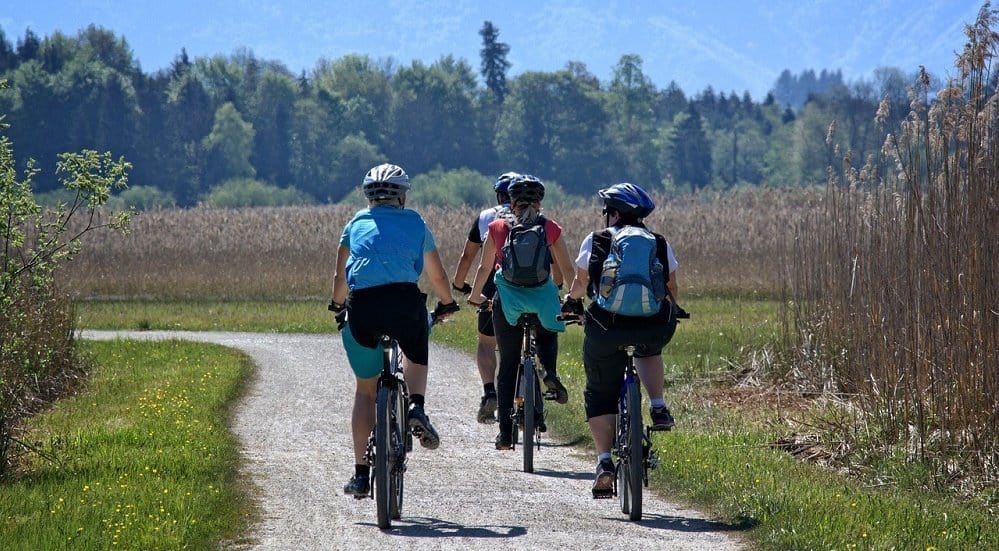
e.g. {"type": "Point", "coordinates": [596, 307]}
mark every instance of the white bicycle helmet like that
{"type": "Point", "coordinates": [385, 181]}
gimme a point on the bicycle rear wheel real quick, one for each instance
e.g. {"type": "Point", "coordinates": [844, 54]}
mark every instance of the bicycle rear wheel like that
{"type": "Point", "coordinates": [383, 456]}
{"type": "Point", "coordinates": [530, 412]}
{"type": "Point", "coordinates": [635, 459]}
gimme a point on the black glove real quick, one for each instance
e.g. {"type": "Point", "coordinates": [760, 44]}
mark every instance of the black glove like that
{"type": "Point", "coordinates": [680, 312]}
{"type": "Point", "coordinates": [572, 306]}
{"type": "Point", "coordinates": [442, 309]}
{"type": "Point", "coordinates": [465, 288]}
{"type": "Point", "coordinates": [341, 314]}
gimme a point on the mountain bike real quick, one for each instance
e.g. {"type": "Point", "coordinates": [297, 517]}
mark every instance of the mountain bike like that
{"type": "Point", "coordinates": [390, 440]}
{"type": "Point", "coordinates": [632, 444]}
{"type": "Point", "coordinates": [632, 440]}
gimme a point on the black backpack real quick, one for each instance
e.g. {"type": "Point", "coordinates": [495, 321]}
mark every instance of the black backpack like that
{"type": "Point", "coordinates": [526, 258]}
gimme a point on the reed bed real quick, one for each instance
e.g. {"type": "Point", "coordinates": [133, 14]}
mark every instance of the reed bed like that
{"type": "Point", "coordinates": [723, 242]}
{"type": "Point", "coordinates": [895, 281]}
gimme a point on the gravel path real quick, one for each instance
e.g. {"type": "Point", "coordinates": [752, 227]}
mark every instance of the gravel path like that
{"type": "Point", "coordinates": [294, 426]}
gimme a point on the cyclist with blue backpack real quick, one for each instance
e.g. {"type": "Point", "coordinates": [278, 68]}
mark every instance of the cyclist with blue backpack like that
{"type": "Point", "coordinates": [522, 248]}
{"type": "Point", "coordinates": [629, 273]}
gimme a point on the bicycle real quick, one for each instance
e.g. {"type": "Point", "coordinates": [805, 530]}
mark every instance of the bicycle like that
{"type": "Point", "coordinates": [390, 441]}
{"type": "Point", "coordinates": [632, 440]}
{"type": "Point", "coordinates": [528, 396]}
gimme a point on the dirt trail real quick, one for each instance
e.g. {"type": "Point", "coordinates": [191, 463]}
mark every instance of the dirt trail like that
{"type": "Point", "coordinates": [294, 426]}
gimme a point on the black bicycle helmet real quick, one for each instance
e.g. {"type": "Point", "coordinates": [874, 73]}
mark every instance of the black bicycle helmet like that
{"type": "Point", "coordinates": [385, 181]}
{"type": "Point", "coordinates": [628, 199]}
{"type": "Point", "coordinates": [526, 188]}
{"type": "Point", "coordinates": [503, 182]}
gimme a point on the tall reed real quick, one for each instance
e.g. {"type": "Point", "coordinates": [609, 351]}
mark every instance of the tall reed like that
{"type": "Point", "coordinates": [723, 241]}
{"type": "Point", "coordinates": [895, 286]}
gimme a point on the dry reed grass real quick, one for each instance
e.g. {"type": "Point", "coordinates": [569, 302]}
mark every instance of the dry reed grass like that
{"type": "Point", "coordinates": [896, 285]}
{"type": "Point", "coordinates": [723, 241]}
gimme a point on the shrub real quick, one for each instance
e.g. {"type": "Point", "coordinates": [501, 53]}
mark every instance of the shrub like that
{"type": "Point", "coordinates": [142, 198]}
{"type": "Point", "coordinates": [247, 192]}
{"type": "Point", "coordinates": [38, 357]}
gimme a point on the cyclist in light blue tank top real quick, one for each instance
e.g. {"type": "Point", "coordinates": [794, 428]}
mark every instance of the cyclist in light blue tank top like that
{"type": "Point", "coordinates": [383, 250]}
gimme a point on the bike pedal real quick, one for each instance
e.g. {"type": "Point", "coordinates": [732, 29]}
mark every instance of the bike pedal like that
{"type": "Point", "coordinates": [603, 494]}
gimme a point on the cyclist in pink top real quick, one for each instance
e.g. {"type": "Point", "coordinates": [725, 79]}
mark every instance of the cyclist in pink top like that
{"type": "Point", "coordinates": [513, 299]}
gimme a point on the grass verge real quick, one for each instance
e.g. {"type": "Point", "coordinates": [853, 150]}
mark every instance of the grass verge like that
{"type": "Point", "coordinates": [719, 458]}
{"type": "Point", "coordinates": [139, 459]}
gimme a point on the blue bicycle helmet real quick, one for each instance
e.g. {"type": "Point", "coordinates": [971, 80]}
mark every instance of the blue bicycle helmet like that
{"type": "Point", "coordinates": [526, 188]}
{"type": "Point", "coordinates": [628, 199]}
{"type": "Point", "coordinates": [503, 182]}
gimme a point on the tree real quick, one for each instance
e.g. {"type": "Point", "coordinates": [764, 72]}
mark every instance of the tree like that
{"type": "Point", "coordinates": [633, 120]}
{"type": "Point", "coordinates": [313, 145]}
{"type": "Point", "coordinates": [494, 63]}
{"type": "Point", "coordinates": [353, 157]}
{"type": "Point", "coordinates": [363, 91]}
{"type": "Point", "coordinates": [271, 116]}
{"type": "Point", "coordinates": [229, 146]}
{"type": "Point", "coordinates": [689, 157]}
{"type": "Point", "coordinates": [555, 126]}
{"type": "Point", "coordinates": [190, 114]}
{"type": "Point", "coordinates": [8, 57]}
{"type": "Point", "coordinates": [432, 115]}
{"type": "Point", "coordinates": [28, 47]}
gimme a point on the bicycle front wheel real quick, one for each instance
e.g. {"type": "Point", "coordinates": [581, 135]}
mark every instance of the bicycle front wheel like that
{"type": "Point", "coordinates": [530, 407]}
{"type": "Point", "coordinates": [400, 436]}
{"type": "Point", "coordinates": [383, 456]}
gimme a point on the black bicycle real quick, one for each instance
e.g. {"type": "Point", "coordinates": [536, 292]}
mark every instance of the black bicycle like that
{"type": "Point", "coordinates": [632, 440]}
{"type": "Point", "coordinates": [390, 440]}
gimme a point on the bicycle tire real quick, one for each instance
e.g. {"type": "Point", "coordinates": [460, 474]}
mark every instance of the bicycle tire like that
{"type": "Point", "coordinates": [530, 409]}
{"type": "Point", "coordinates": [399, 435]}
{"type": "Point", "coordinates": [621, 474]}
{"type": "Point", "coordinates": [635, 455]}
{"type": "Point", "coordinates": [383, 463]}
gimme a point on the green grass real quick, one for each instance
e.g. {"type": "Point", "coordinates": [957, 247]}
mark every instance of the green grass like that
{"type": "Point", "coordinates": [139, 459]}
{"type": "Point", "coordinates": [718, 458]}
{"type": "Point", "coordinates": [260, 316]}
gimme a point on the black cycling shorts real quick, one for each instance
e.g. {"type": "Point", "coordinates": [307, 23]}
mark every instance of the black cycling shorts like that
{"type": "Point", "coordinates": [604, 360]}
{"type": "Point", "coordinates": [398, 310]}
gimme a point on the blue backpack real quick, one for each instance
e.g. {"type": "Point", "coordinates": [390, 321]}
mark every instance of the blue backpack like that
{"type": "Point", "coordinates": [632, 281]}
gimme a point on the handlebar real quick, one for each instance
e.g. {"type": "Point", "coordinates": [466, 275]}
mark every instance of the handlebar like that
{"type": "Point", "coordinates": [570, 320]}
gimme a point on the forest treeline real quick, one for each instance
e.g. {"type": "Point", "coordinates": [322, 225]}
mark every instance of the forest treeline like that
{"type": "Point", "coordinates": [240, 124]}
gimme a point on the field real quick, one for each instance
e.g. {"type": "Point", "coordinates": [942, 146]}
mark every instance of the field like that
{"type": "Point", "coordinates": [744, 406]}
{"type": "Point", "coordinates": [724, 243]}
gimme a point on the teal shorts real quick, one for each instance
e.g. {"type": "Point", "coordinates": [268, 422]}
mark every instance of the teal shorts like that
{"type": "Point", "coordinates": [366, 362]}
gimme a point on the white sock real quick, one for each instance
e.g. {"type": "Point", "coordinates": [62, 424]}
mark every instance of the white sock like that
{"type": "Point", "coordinates": [657, 402]}
{"type": "Point", "coordinates": [606, 456]}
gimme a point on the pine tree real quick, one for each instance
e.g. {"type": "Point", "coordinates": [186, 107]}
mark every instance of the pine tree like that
{"type": "Point", "coordinates": [494, 63]}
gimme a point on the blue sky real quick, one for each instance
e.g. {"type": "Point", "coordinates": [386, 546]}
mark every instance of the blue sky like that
{"type": "Point", "coordinates": [730, 45]}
